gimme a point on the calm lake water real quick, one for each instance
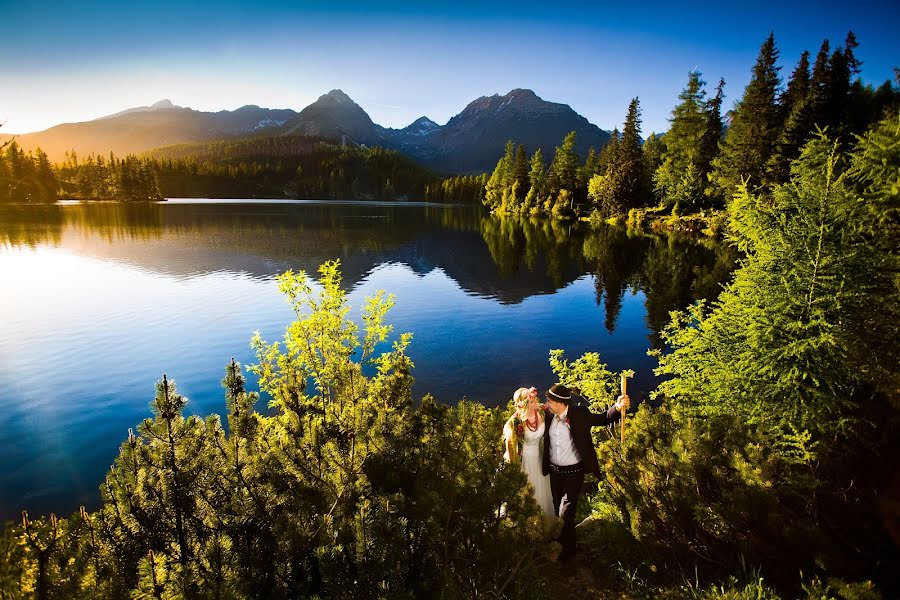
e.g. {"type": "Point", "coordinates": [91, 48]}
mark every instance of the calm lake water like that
{"type": "Point", "coordinates": [99, 299]}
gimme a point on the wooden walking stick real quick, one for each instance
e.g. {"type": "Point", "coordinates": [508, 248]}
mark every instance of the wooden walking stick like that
{"type": "Point", "coordinates": [625, 375]}
{"type": "Point", "coordinates": [624, 412]}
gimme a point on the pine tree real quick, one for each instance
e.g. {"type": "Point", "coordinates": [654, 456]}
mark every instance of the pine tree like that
{"type": "Point", "coordinates": [564, 167]}
{"type": "Point", "coordinates": [751, 137]}
{"type": "Point", "coordinates": [498, 185]}
{"type": "Point", "coordinates": [46, 182]}
{"type": "Point", "coordinates": [154, 491]}
{"type": "Point", "coordinates": [844, 66]}
{"type": "Point", "coordinates": [820, 88]}
{"type": "Point", "coordinates": [609, 154]}
{"type": "Point", "coordinates": [537, 177]}
{"type": "Point", "coordinates": [684, 140]}
{"type": "Point", "coordinates": [797, 88]}
{"type": "Point", "coordinates": [779, 348]}
{"type": "Point", "coordinates": [712, 136]}
{"type": "Point", "coordinates": [520, 171]}
{"type": "Point", "coordinates": [620, 186]}
{"type": "Point", "coordinates": [796, 107]}
{"type": "Point", "coordinates": [654, 150]}
{"type": "Point", "coordinates": [631, 162]}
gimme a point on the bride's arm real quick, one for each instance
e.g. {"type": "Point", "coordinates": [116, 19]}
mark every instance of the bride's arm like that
{"type": "Point", "coordinates": [509, 441]}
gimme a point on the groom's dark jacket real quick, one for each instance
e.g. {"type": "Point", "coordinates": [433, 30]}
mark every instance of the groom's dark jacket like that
{"type": "Point", "coordinates": [580, 422]}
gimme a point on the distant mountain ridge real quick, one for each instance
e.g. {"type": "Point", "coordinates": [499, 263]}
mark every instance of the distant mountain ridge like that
{"type": "Point", "coordinates": [471, 141]}
{"type": "Point", "coordinates": [137, 130]}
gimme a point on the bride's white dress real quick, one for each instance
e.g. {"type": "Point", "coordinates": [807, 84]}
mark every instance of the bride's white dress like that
{"type": "Point", "coordinates": [531, 463]}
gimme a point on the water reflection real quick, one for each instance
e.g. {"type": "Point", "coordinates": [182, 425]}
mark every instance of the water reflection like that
{"type": "Point", "coordinates": [507, 259]}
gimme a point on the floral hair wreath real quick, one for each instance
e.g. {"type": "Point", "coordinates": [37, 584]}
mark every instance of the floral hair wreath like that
{"type": "Point", "coordinates": [517, 420]}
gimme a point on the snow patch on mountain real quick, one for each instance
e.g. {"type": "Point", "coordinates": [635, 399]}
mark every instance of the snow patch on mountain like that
{"type": "Point", "coordinates": [265, 123]}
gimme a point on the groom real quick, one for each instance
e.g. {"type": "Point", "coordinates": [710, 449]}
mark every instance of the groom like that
{"type": "Point", "coordinates": [569, 453]}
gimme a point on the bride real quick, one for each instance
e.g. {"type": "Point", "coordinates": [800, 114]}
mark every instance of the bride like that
{"type": "Point", "coordinates": [523, 436]}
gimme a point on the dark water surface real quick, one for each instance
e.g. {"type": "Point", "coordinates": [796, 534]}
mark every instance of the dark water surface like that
{"type": "Point", "coordinates": [99, 299]}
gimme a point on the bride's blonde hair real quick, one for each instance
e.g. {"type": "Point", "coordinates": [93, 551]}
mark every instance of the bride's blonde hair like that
{"type": "Point", "coordinates": [520, 401]}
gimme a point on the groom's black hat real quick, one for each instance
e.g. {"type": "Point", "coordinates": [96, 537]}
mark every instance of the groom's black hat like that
{"type": "Point", "coordinates": [560, 393]}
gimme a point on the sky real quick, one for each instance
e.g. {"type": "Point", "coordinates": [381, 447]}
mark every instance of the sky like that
{"type": "Point", "coordinates": [75, 61]}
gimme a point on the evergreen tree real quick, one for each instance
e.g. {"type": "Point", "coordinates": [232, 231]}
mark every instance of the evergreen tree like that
{"type": "Point", "coordinates": [654, 150]}
{"type": "Point", "coordinates": [752, 134]}
{"type": "Point", "coordinates": [844, 66]}
{"type": "Point", "coordinates": [796, 107]}
{"type": "Point", "coordinates": [679, 180]}
{"type": "Point", "coordinates": [520, 171]}
{"type": "Point", "coordinates": [497, 188]}
{"type": "Point", "coordinates": [564, 167]}
{"type": "Point", "coordinates": [630, 162]}
{"type": "Point", "coordinates": [712, 136]}
{"type": "Point", "coordinates": [798, 87]}
{"type": "Point", "coordinates": [609, 154]}
{"type": "Point", "coordinates": [820, 88]}
{"type": "Point", "coordinates": [621, 186]}
{"type": "Point", "coordinates": [537, 178]}
{"type": "Point", "coordinates": [779, 348]}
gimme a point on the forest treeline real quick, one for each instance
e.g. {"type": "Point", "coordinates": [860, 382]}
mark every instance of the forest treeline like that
{"type": "Point", "coordinates": [260, 167]}
{"type": "Point", "coordinates": [701, 161]}
{"type": "Point", "coordinates": [764, 469]}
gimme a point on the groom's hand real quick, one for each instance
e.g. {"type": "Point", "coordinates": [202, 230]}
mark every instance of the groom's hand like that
{"type": "Point", "coordinates": [622, 403]}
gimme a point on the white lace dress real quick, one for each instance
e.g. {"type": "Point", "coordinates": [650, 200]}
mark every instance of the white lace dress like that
{"type": "Point", "coordinates": [531, 463]}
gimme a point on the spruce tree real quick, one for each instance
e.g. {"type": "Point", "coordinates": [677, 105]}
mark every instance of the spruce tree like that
{"type": "Point", "coordinates": [654, 150]}
{"type": "Point", "coordinates": [520, 173]}
{"type": "Point", "coordinates": [712, 136]}
{"type": "Point", "coordinates": [797, 109]}
{"type": "Point", "coordinates": [537, 177]}
{"type": "Point", "coordinates": [684, 140]}
{"type": "Point", "coordinates": [564, 168]}
{"type": "Point", "coordinates": [630, 164]}
{"type": "Point", "coordinates": [497, 187]}
{"type": "Point", "coordinates": [820, 88]}
{"type": "Point", "coordinates": [751, 136]}
{"type": "Point", "coordinates": [620, 186]}
{"type": "Point", "coordinates": [609, 154]}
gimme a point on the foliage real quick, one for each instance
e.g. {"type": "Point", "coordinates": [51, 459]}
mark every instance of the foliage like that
{"type": "Point", "coordinates": [775, 431]}
{"type": "Point", "coordinates": [268, 167]}
{"type": "Point", "coordinates": [462, 189]}
{"type": "Point", "coordinates": [681, 181]}
{"type": "Point", "coordinates": [130, 178]}
{"type": "Point", "coordinates": [347, 485]}
{"type": "Point", "coordinates": [26, 178]}
{"type": "Point", "coordinates": [794, 313]}
{"type": "Point", "coordinates": [753, 129]}
{"type": "Point", "coordinates": [623, 184]}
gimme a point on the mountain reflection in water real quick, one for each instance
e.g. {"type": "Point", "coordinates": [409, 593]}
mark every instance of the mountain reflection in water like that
{"type": "Point", "coordinates": [100, 298]}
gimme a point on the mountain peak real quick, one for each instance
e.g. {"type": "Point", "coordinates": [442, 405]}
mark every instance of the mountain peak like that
{"type": "Point", "coordinates": [335, 115]}
{"type": "Point", "coordinates": [337, 97]}
{"type": "Point", "coordinates": [424, 122]}
{"type": "Point", "coordinates": [522, 93]}
{"type": "Point", "coordinates": [421, 126]}
{"type": "Point", "coordinates": [162, 105]}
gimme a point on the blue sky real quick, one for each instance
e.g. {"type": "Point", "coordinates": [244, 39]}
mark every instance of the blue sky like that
{"type": "Point", "coordinates": [63, 62]}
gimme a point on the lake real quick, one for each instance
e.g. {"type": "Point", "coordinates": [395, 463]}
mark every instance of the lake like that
{"type": "Point", "coordinates": [99, 300]}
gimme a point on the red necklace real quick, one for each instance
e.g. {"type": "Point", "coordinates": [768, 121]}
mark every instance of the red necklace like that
{"type": "Point", "coordinates": [530, 426]}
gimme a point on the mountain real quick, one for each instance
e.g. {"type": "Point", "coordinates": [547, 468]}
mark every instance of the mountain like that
{"type": "Point", "coordinates": [471, 141]}
{"type": "Point", "coordinates": [335, 115]}
{"type": "Point", "coordinates": [161, 105]}
{"type": "Point", "coordinates": [138, 129]}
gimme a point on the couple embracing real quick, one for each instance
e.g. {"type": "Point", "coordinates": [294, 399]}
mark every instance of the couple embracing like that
{"type": "Point", "coordinates": [552, 444]}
